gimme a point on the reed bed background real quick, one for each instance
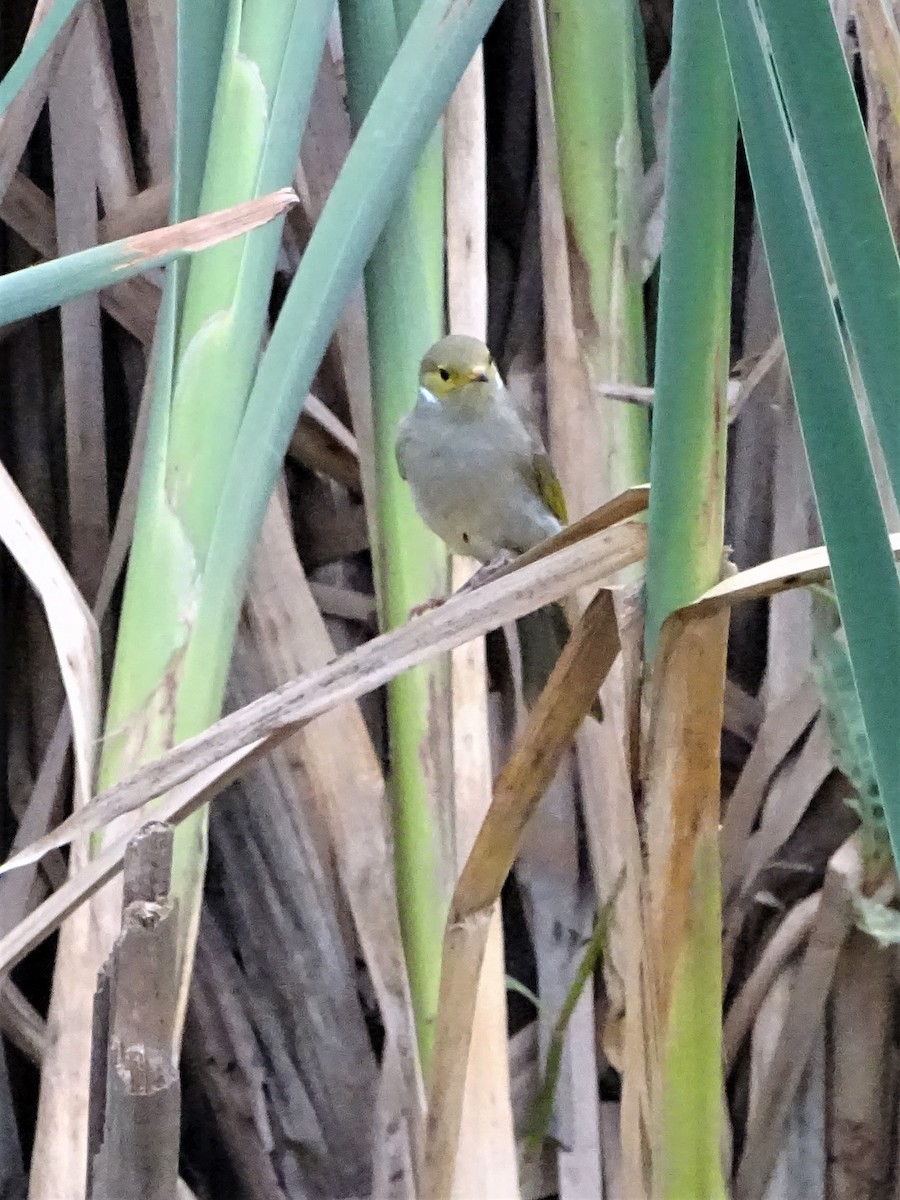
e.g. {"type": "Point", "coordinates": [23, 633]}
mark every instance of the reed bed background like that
{"type": "Point", "coordinates": [425, 943]}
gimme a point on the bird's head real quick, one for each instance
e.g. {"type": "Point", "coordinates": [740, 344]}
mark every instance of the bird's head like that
{"type": "Point", "coordinates": [460, 372]}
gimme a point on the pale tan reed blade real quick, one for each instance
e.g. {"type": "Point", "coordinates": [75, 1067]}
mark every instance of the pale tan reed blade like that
{"type": "Point", "coordinates": [278, 714]}
{"type": "Point", "coordinates": [72, 626]}
{"type": "Point", "coordinates": [61, 1133]}
{"type": "Point", "coordinates": [200, 768]}
{"type": "Point", "coordinates": [486, 1159]}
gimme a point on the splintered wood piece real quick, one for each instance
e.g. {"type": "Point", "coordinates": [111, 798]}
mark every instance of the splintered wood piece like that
{"type": "Point", "coordinates": [135, 1102]}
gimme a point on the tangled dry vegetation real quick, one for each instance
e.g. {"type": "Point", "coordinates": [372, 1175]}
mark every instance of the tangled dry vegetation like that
{"type": "Point", "coordinates": [302, 1034]}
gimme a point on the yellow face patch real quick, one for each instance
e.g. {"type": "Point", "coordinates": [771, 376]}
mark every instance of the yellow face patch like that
{"type": "Point", "coordinates": [456, 363]}
{"type": "Point", "coordinates": [442, 380]}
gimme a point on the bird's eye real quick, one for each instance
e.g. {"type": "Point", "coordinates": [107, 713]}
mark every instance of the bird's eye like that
{"type": "Point", "coordinates": [444, 374]}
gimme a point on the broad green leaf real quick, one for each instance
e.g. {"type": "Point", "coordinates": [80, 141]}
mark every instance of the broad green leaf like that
{"type": "Point", "coordinates": [865, 577]}
{"type": "Point", "coordinates": [831, 143]}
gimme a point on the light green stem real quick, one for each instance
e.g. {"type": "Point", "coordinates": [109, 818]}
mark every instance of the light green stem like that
{"type": "Point", "coordinates": [595, 96]}
{"type": "Point", "coordinates": [404, 303]}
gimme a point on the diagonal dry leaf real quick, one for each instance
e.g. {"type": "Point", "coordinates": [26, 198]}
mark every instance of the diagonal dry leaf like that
{"type": "Point", "coordinates": [273, 717]}
{"type": "Point", "coordinates": [570, 691]}
{"type": "Point", "coordinates": [517, 589]}
{"type": "Point", "coordinates": [283, 712]}
{"type": "Point", "coordinates": [204, 783]}
{"type": "Point", "coordinates": [72, 627]}
{"type": "Point", "coordinates": [145, 210]}
{"type": "Point", "coordinates": [210, 761]}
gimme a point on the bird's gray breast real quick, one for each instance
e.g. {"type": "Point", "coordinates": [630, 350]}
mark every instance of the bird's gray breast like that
{"type": "Point", "coordinates": [467, 478]}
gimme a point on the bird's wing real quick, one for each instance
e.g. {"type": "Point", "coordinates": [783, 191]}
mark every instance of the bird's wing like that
{"type": "Point", "coordinates": [544, 482]}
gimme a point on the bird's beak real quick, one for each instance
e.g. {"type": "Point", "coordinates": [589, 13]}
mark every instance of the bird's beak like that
{"type": "Point", "coordinates": [479, 376]}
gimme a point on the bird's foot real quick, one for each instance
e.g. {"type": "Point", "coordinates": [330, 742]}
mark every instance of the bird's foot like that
{"type": "Point", "coordinates": [487, 571]}
{"type": "Point", "coordinates": [484, 573]}
{"type": "Point", "coordinates": [428, 606]}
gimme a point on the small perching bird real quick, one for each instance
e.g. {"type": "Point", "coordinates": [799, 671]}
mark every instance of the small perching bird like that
{"type": "Point", "coordinates": [482, 480]}
{"type": "Point", "coordinates": [480, 477]}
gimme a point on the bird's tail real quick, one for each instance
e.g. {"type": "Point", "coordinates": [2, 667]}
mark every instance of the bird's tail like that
{"type": "Point", "coordinates": [542, 636]}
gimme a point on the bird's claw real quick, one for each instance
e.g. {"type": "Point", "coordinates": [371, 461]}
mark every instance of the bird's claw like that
{"type": "Point", "coordinates": [487, 571]}
{"type": "Point", "coordinates": [484, 573]}
{"type": "Point", "coordinates": [428, 606]}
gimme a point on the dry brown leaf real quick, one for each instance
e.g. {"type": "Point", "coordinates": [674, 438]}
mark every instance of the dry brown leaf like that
{"type": "Point", "coordinates": [799, 1168]}
{"type": "Point", "coordinates": [60, 1145]}
{"type": "Point", "coordinates": [140, 213]}
{"type": "Point", "coordinates": [152, 28]}
{"type": "Point", "coordinates": [324, 444]}
{"type": "Point", "coordinates": [197, 770]}
{"type": "Point", "coordinates": [685, 700]}
{"type": "Point", "coordinates": [461, 618]}
{"type": "Point", "coordinates": [48, 916]}
{"type": "Point", "coordinates": [345, 792]}
{"type": "Point", "coordinates": [569, 693]}
{"type": "Point", "coordinates": [220, 753]}
{"type": "Point", "coordinates": [281, 712]}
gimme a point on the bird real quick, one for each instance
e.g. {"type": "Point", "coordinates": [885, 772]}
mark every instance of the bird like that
{"type": "Point", "coordinates": [481, 479]}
